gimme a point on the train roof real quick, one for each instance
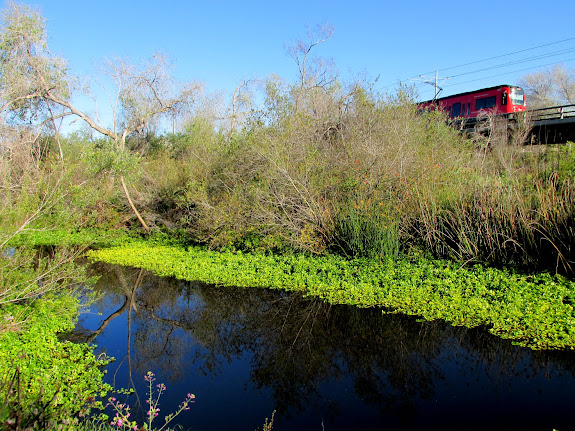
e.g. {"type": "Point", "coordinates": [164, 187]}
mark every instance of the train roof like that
{"type": "Point", "coordinates": [470, 92]}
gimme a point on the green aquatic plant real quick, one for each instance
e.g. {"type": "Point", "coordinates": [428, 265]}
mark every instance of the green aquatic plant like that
{"type": "Point", "coordinates": [67, 238]}
{"type": "Point", "coordinates": [45, 382]}
{"type": "Point", "coordinates": [532, 310]}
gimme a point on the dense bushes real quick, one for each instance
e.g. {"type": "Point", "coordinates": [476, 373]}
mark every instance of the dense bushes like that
{"type": "Point", "coordinates": [344, 171]}
{"type": "Point", "coordinates": [364, 175]}
{"type": "Point", "coordinates": [45, 383]}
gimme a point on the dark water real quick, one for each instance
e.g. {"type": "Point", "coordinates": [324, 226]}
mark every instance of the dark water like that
{"type": "Point", "coordinates": [247, 352]}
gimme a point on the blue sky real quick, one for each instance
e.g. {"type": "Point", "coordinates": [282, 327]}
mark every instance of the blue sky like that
{"type": "Point", "coordinates": [222, 43]}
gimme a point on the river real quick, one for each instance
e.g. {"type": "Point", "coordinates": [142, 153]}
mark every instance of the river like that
{"type": "Point", "coordinates": [246, 353]}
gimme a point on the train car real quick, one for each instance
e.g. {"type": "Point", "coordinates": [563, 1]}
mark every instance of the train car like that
{"type": "Point", "coordinates": [500, 100]}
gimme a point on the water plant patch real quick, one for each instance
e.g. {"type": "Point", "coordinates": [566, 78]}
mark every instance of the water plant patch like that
{"type": "Point", "coordinates": [532, 310]}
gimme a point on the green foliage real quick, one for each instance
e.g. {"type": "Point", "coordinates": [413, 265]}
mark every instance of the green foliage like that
{"type": "Point", "coordinates": [67, 238]}
{"type": "Point", "coordinates": [533, 310]}
{"type": "Point", "coordinates": [45, 382]}
{"type": "Point", "coordinates": [366, 229]}
{"type": "Point", "coordinates": [344, 171]}
{"type": "Point", "coordinates": [107, 159]}
{"type": "Point", "coordinates": [559, 161]}
{"type": "Point", "coordinates": [34, 198]}
{"type": "Point", "coordinates": [288, 174]}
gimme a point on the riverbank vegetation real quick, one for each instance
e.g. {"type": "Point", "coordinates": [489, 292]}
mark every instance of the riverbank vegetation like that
{"type": "Point", "coordinates": [358, 179]}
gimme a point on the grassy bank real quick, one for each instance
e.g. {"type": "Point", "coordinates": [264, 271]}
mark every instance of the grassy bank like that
{"type": "Point", "coordinates": [532, 310]}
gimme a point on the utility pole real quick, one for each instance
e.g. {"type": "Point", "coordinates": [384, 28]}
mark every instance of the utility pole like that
{"type": "Point", "coordinates": [434, 82]}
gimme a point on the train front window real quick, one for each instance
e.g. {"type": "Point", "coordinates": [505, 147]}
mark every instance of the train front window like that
{"type": "Point", "coordinates": [517, 96]}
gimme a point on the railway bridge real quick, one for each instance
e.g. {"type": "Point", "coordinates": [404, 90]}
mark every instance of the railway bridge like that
{"type": "Point", "coordinates": [554, 125]}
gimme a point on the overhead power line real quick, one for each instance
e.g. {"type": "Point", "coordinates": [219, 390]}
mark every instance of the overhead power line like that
{"type": "Point", "coordinates": [516, 62]}
{"type": "Point", "coordinates": [434, 82]}
{"type": "Point", "coordinates": [502, 55]}
{"type": "Point", "coordinates": [515, 71]}
{"type": "Point", "coordinates": [512, 63]}
{"type": "Point", "coordinates": [502, 65]}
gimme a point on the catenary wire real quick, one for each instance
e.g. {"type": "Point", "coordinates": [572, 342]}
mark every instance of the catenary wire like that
{"type": "Point", "coordinates": [541, 56]}
{"type": "Point", "coordinates": [501, 56]}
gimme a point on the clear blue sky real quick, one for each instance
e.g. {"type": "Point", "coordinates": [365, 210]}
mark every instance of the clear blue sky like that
{"type": "Point", "coordinates": [224, 42]}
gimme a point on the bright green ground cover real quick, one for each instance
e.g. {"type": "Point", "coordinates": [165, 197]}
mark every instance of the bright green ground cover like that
{"type": "Point", "coordinates": [533, 310]}
{"type": "Point", "coordinates": [65, 238]}
{"type": "Point", "coordinates": [46, 381]}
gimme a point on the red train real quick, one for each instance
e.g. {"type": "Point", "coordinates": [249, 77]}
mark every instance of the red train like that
{"type": "Point", "coordinates": [503, 99]}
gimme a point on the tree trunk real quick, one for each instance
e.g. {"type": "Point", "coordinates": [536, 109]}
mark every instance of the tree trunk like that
{"type": "Point", "coordinates": [133, 206]}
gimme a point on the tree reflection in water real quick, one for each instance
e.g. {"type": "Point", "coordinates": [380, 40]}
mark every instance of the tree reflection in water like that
{"type": "Point", "coordinates": [342, 366]}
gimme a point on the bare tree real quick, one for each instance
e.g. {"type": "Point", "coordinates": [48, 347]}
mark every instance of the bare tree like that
{"type": "Point", "coordinates": [35, 86]}
{"type": "Point", "coordinates": [241, 104]}
{"type": "Point", "coordinates": [564, 80]}
{"type": "Point", "coordinates": [144, 95]}
{"type": "Point", "coordinates": [28, 72]}
{"type": "Point", "coordinates": [314, 72]}
{"type": "Point", "coordinates": [32, 81]}
{"type": "Point", "coordinates": [550, 87]}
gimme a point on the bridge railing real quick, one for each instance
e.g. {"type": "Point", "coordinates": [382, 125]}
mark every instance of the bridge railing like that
{"type": "Point", "coordinates": [552, 113]}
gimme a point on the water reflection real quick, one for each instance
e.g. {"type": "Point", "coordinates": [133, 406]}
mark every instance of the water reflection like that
{"type": "Point", "coordinates": [247, 352]}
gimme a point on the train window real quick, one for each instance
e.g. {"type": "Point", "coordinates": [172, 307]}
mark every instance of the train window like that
{"type": "Point", "coordinates": [456, 110]}
{"type": "Point", "coordinates": [485, 103]}
{"type": "Point", "coordinates": [517, 96]}
{"type": "Point", "coordinates": [504, 98]}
